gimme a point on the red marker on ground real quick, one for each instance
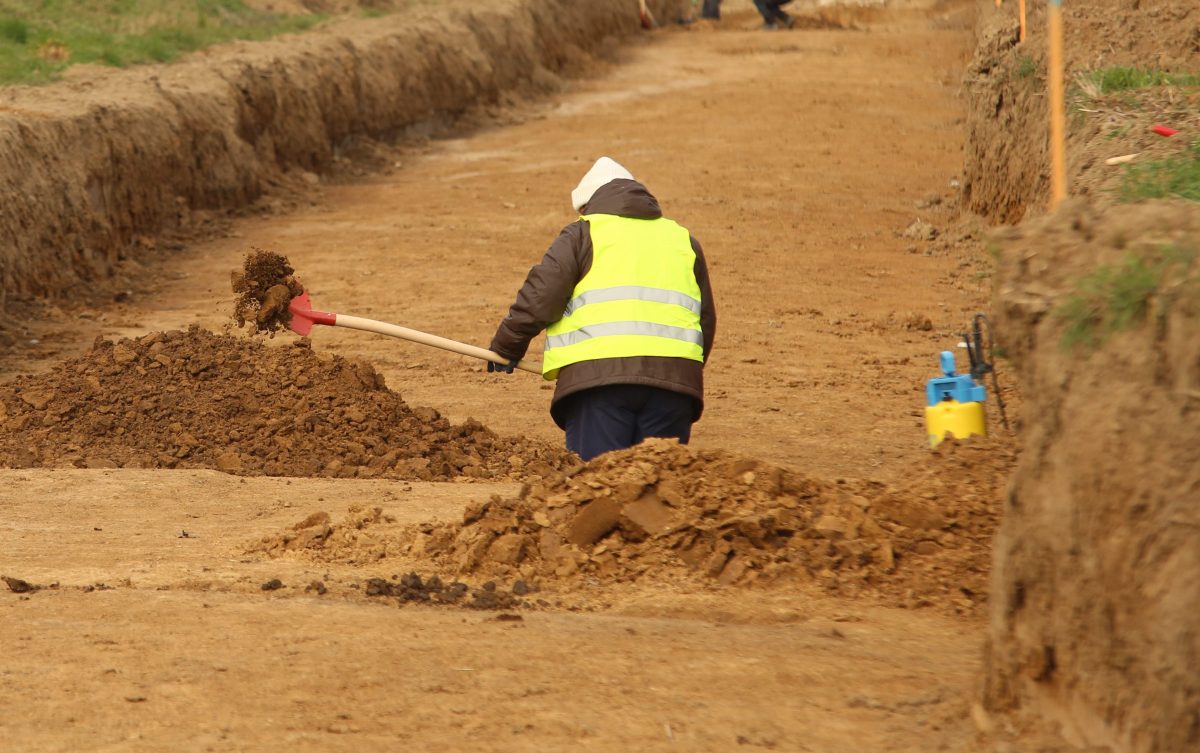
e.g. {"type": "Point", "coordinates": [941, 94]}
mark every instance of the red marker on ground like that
{"type": "Point", "coordinates": [1162, 130]}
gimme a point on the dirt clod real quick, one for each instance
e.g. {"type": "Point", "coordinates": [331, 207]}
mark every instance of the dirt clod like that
{"type": "Point", "coordinates": [432, 590]}
{"type": "Point", "coordinates": [265, 286]}
{"type": "Point", "coordinates": [16, 585]}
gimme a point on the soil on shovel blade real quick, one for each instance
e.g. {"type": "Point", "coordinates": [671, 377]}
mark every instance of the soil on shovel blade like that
{"type": "Point", "coordinates": [195, 399]}
{"type": "Point", "coordinates": [265, 286]}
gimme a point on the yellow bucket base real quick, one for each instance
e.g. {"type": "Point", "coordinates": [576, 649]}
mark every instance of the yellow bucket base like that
{"type": "Point", "coordinates": [952, 417]}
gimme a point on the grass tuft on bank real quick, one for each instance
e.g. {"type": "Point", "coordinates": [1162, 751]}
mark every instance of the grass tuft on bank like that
{"type": "Point", "coordinates": [1177, 177]}
{"type": "Point", "coordinates": [1114, 297]}
{"type": "Point", "coordinates": [1109, 80]}
{"type": "Point", "coordinates": [39, 39]}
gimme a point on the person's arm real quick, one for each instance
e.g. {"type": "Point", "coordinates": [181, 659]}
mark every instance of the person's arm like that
{"type": "Point", "coordinates": [708, 308]}
{"type": "Point", "coordinates": [545, 294]}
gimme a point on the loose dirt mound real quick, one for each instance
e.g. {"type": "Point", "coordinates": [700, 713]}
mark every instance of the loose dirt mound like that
{"type": "Point", "coordinates": [662, 506]}
{"type": "Point", "coordinates": [195, 399]}
{"type": "Point", "coordinates": [353, 540]}
{"type": "Point", "coordinates": [662, 509]}
{"type": "Point", "coordinates": [265, 287]}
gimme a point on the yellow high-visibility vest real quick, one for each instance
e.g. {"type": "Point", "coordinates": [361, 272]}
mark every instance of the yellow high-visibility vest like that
{"type": "Point", "coordinates": [640, 297]}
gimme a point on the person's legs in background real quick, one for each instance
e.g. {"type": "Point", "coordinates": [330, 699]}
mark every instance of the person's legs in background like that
{"type": "Point", "coordinates": [617, 416]}
{"type": "Point", "coordinates": [782, 18]}
{"type": "Point", "coordinates": [665, 414]}
{"type": "Point", "coordinates": [711, 9]}
{"type": "Point", "coordinates": [766, 9]}
{"type": "Point", "coordinates": [773, 15]}
{"type": "Point", "coordinates": [599, 420]}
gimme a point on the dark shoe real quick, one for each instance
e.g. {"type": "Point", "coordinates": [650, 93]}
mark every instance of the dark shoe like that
{"type": "Point", "coordinates": [788, 22]}
{"type": "Point", "coordinates": [770, 27]}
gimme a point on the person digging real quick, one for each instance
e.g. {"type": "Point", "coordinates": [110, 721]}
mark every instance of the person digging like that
{"type": "Point", "coordinates": [624, 297]}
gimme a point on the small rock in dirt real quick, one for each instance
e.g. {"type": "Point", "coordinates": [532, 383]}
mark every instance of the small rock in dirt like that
{"type": "Point", "coordinates": [921, 231]}
{"type": "Point", "coordinates": [272, 584]}
{"type": "Point", "coordinates": [229, 462]}
{"type": "Point", "coordinates": [123, 354]}
{"type": "Point", "coordinates": [16, 585]}
{"type": "Point", "coordinates": [594, 520]}
{"type": "Point", "coordinates": [37, 399]}
{"type": "Point", "coordinates": [919, 323]}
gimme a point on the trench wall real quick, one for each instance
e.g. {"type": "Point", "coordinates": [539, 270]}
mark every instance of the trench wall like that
{"type": "Point", "coordinates": [1095, 613]}
{"type": "Point", "coordinates": [89, 166]}
{"type": "Point", "coordinates": [1005, 172]}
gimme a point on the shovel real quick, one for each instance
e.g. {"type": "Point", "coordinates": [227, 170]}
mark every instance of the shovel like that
{"type": "Point", "coordinates": [304, 316]}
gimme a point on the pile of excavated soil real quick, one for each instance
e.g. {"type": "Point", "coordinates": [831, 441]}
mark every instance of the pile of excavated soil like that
{"type": "Point", "coordinates": [665, 510]}
{"type": "Point", "coordinates": [265, 286]}
{"type": "Point", "coordinates": [663, 506]}
{"type": "Point", "coordinates": [195, 399]}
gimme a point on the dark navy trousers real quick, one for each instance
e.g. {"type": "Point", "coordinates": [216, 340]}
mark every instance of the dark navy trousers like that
{"type": "Point", "coordinates": [617, 416]}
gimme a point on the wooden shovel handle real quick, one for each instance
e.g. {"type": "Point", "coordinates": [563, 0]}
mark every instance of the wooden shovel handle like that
{"type": "Point", "coordinates": [404, 333]}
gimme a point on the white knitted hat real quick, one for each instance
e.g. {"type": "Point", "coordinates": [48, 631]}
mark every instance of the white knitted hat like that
{"type": "Point", "coordinates": [602, 172]}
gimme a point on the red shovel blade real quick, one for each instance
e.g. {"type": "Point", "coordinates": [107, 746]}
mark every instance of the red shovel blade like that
{"type": "Point", "coordinates": [304, 316]}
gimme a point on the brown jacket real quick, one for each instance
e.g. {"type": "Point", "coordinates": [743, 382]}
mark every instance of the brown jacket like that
{"type": "Point", "coordinates": [548, 288]}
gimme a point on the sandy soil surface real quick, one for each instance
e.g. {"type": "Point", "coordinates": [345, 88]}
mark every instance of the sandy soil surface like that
{"type": "Point", "coordinates": [800, 160]}
{"type": "Point", "coordinates": [155, 640]}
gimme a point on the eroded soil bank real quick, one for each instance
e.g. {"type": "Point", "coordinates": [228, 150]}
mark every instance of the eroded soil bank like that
{"type": "Point", "coordinates": [1094, 621]}
{"type": "Point", "coordinates": [1006, 167]}
{"type": "Point", "coordinates": [1094, 626]}
{"type": "Point", "coordinates": [93, 170]}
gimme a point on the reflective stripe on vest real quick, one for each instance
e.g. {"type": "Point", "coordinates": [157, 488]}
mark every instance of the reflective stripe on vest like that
{"type": "Point", "coordinates": [639, 298]}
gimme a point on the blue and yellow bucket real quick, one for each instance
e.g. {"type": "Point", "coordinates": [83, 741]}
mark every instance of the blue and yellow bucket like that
{"type": "Point", "coordinates": [955, 404]}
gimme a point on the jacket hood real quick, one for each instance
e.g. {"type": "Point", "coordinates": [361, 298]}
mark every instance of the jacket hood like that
{"type": "Point", "coordinates": [625, 198]}
{"type": "Point", "coordinates": [604, 170]}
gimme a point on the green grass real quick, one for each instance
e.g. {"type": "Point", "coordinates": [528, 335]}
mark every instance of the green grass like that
{"type": "Point", "coordinates": [41, 38]}
{"type": "Point", "coordinates": [1025, 66]}
{"type": "Point", "coordinates": [1172, 177]}
{"type": "Point", "coordinates": [1109, 80]}
{"type": "Point", "coordinates": [1115, 297]}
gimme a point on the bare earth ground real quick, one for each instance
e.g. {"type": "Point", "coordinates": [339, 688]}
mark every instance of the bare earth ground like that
{"type": "Point", "coordinates": [798, 159]}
